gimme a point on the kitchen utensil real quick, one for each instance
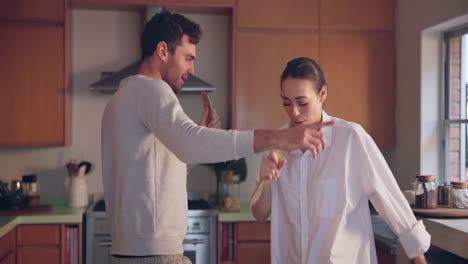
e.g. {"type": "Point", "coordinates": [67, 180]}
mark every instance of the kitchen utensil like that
{"type": "Point", "coordinates": [206, 101]}
{"type": "Point", "coordinates": [282, 156]}
{"type": "Point", "coordinates": [88, 165]}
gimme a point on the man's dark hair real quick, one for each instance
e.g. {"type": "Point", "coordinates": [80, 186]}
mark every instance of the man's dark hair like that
{"type": "Point", "coordinates": [167, 27]}
{"type": "Point", "coordinates": [306, 69]}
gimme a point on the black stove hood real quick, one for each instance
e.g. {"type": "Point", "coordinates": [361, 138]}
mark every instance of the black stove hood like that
{"type": "Point", "coordinates": [110, 84]}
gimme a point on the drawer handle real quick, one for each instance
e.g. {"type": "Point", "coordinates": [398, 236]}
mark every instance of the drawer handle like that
{"type": "Point", "coordinates": [107, 243]}
{"type": "Point", "coordinates": [194, 241]}
{"type": "Point", "coordinates": [7, 255]}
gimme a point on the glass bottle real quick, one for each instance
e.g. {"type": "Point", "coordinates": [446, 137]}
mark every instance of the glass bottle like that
{"type": "Point", "coordinates": [425, 190]}
{"type": "Point", "coordinates": [459, 195]}
{"type": "Point", "coordinates": [229, 196]}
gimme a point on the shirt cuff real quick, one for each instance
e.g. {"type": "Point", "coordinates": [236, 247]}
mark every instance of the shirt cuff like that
{"type": "Point", "coordinates": [415, 241]}
{"type": "Point", "coordinates": [243, 143]}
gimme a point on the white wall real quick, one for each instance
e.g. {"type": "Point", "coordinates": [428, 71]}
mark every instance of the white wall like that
{"type": "Point", "coordinates": [418, 60]}
{"type": "Point", "coordinates": [108, 41]}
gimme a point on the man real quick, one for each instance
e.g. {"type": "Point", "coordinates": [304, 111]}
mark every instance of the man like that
{"type": "Point", "coordinates": [147, 140]}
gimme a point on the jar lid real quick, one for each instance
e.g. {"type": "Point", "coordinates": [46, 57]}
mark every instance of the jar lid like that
{"type": "Point", "coordinates": [426, 177]}
{"type": "Point", "coordinates": [459, 185]}
{"type": "Point", "coordinates": [229, 176]}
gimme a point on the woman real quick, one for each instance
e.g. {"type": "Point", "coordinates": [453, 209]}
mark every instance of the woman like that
{"type": "Point", "coordinates": [319, 203]}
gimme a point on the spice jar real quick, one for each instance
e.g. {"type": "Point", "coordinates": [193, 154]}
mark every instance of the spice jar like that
{"type": "Point", "coordinates": [229, 192]}
{"type": "Point", "coordinates": [459, 195]}
{"type": "Point", "coordinates": [443, 194]}
{"type": "Point", "coordinates": [425, 190]}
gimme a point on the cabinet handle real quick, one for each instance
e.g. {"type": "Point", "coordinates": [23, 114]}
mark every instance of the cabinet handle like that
{"type": "Point", "coordinates": [7, 255]}
{"type": "Point", "coordinates": [106, 243]}
{"type": "Point", "coordinates": [194, 241]}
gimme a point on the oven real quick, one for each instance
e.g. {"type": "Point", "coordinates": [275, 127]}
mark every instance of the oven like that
{"type": "Point", "coordinates": [199, 243]}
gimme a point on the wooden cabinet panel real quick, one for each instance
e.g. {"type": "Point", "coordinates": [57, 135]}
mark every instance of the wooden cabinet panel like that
{"type": "Point", "coordinates": [33, 10]}
{"type": "Point", "coordinates": [261, 58]}
{"type": "Point", "coordinates": [32, 70]}
{"type": "Point", "coordinates": [29, 235]}
{"type": "Point", "coordinates": [383, 258]}
{"type": "Point", "coordinates": [253, 253]}
{"type": "Point", "coordinates": [10, 258]}
{"type": "Point", "coordinates": [7, 243]}
{"type": "Point", "coordinates": [186, 5]}
{"type": "Point", "coordinates": [38, 255]}
{"type": "Point", "coordinates": [360, 14]}
{"type": "Point", "coordinates": [253, 231]}
{"type": "Point", "coordinates": [278, 14]}
{"type": "Point", "coordinates": [359, 68]}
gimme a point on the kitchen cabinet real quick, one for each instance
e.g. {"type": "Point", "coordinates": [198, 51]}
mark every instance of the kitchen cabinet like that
{"type": "Point", "coordinates": [354, 48]}
{"type": "Point", "coordinates": [301, 14]}
{"type": "Point", "coordinates": [261, 58]}
{"type": "Point", "coordinates": [39, 244]}
{"type": "Point", "coordinates": [46, 243]}
{"type": "Point", "coordinates": [384, 258]}
{"type": "Point", "coordinates": [8, 248]}
{"type": "Point", "coordinates": [35, 50]}
{"type": "Point", "coordinates": [186, 5]}
{"type": "Point", "coordinates": [361, 80]}
{"type": "Point", "coordinates": [357, 15]}
{"type": "Point", "coordinates": [251, 243]}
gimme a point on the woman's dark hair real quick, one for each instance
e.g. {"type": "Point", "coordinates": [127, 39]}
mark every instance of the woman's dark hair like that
{"type": "Point", "coordinates": [306, 69]}
{"type": "Point", "coordinates": [167, 27]}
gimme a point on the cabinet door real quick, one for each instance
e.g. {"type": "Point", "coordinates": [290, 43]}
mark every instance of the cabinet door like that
{"type": "Point", "coordinates": [33, 10]}
{"type": "Point", "coordinates": [10, 258]}
{"type": "Point", "coordinates": [357, 14]}
{"type": "Point", "coordinates": [277, 14]}
{"type": "Point", "coordinates": [33, 235]}
{"type": "Point", "coordinates": [261, 58]}
{"type": "Point", "coordinates": [253, 253]}
{"type": "Point", "coordinates": [32, 84]}
{"type": "Point", "coordinates": [38, 255]}
{"type": "Point", "coordinates": [359, 69]}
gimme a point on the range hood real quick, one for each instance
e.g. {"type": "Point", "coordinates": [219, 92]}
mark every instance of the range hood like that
{"type": "Point", "coordinates": [110, 84]}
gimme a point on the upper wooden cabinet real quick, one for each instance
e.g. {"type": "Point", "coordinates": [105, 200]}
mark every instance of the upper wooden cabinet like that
{"type": "Point", "coordinates": [359, 68]}
{"type": "Point", "coordinates": [278, 14]}
{"type": "Point", "coordinates": [33, 10]}
{"type": "Point", "coordinates": [34, 69]}
{"type": "Point", "coordinates": [184, 5]}
{"type": "Point", "coordinates": [359, 14]}
{"type": "Point", "coordinates": [261, 58]}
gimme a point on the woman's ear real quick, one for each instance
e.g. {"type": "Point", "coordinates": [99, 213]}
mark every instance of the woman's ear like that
{"type": "Point", "coordinates": [162, 50]}
{"type": "Point", "coordinates": [323, 93]}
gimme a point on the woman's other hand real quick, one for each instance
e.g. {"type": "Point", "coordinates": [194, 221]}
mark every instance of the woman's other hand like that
{"type": "Point", "coordinates": [271, 167]}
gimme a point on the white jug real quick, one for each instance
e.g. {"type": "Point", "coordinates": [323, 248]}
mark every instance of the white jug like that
{"type": "Point", "coordinates": [77, 189]}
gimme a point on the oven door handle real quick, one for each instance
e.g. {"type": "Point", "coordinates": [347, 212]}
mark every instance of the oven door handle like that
{"type": "Point", "coordinates": [105, 243]}
{"type": "Point", "coordinates": [194, 241]}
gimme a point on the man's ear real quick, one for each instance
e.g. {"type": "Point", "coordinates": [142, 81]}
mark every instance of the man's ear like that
{"type": "Point", "coordinates": [323, 93]}
{"type": "Point", "coordinates": [162, 50]}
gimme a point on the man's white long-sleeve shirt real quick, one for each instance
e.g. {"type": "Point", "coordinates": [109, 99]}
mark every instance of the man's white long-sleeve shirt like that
{"type": "Point", "coordinates": [146, 142]}
{"type": "Point", "coordinates": [320, 212]}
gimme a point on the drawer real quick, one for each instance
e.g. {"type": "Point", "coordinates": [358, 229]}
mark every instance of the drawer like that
{"type": "Point", "coordinates": [7, 243]}
{"type": "Point", "coordinates": [31, 235]}
{"type": "Point", "coordinates": [253, 231]}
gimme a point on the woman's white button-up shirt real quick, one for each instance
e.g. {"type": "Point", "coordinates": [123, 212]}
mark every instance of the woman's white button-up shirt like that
{"type": "Point", "coordinates": [320, 212]}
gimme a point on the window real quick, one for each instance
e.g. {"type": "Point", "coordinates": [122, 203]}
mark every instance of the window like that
{"type": "Point", "coordinates": [456, 106]}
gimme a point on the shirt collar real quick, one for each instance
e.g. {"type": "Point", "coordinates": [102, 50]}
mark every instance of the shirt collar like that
{"type": "Point", "coordinates": [327, 132]}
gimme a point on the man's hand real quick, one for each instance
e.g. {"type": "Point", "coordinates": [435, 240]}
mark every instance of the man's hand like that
{"type": "Point", "coordinates": [210, 118]}
{"type": "Point", "coordinates": [303, 137]}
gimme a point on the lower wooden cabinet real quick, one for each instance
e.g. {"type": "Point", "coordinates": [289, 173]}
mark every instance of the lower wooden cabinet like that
{"type": "Point", "coordinates": [248, 241]}
{"type": "Point", "coordinates": [384, 258]}
{"type": "Point", "coordinates": [8, 248]}
{"type": "Point", "coordinates": [42, 244]}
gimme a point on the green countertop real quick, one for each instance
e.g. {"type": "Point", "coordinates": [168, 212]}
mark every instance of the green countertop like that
{"type": "Point", "coordinates": [244, 215]}
{"type": "Point", "coordinates": [58, 214]}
